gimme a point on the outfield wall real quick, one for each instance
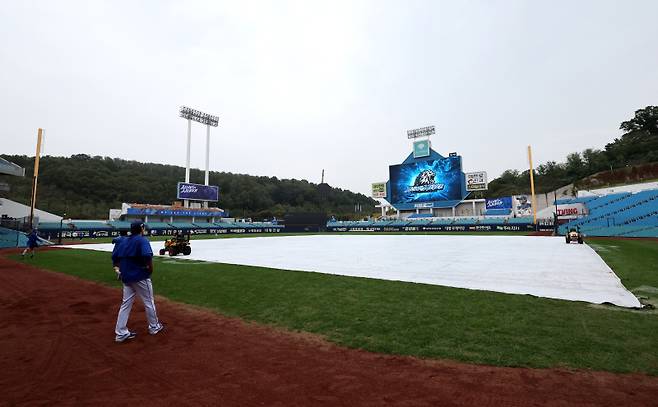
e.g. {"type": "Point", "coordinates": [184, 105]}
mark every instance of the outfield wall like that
{"type": "Point", "coordinates": [440, 228]}
{"type": "Point", "coordinates": [84, 233]}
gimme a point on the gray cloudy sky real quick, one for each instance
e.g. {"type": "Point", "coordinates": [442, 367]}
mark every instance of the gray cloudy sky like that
{"type": "Point", "coordinates": [302, 86]}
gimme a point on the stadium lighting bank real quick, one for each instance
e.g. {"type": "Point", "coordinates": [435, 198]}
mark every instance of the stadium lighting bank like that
{"type": "Point", "coordinates": [203, 118]}
{"type": "Point", "coordinates": [422, 132]}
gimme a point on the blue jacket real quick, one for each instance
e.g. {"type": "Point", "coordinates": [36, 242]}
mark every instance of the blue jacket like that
{"type": "Point", "coordinates": [33, 239]}
{"type": "Point", "coordinates": [133, 255]}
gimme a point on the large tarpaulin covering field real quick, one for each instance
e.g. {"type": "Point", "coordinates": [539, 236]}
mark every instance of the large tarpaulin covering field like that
{"type": "Point", "coordinates": [539, 266]}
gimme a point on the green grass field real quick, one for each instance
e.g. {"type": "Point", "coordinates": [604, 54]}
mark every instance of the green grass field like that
{"type": "Point", "coordinates": [416, 319]}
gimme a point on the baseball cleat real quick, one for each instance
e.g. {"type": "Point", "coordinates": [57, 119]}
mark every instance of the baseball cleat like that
{"type": "Point", "coordinates": [123, 338]}
{"type": "Point", "coordinates": [156, 330]}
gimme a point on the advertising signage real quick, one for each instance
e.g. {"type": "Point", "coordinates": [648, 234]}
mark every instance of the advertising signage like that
{"type": "Point", "coordinates": [476, 181]}
{"type": "Point", "coordinates": [426, 181]}
{"type": "Point", "coordinates": [379, 190]}
{"type": "Point", "coordinates": [421, 148]}
{"type": "Point", "coordinates": [499, 203]}
{"type": "Point", "coordinates": [198, 192]}
{"type": "Point", "coordinates": [174, 212]}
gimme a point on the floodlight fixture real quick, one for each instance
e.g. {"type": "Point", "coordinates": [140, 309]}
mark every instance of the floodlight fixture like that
{"type": "Point", "coordinates": [203, 118]}
{"type": "Point", "coordinates": [198, 116]}
{"type": "Point", "coordinates": [421, 132]}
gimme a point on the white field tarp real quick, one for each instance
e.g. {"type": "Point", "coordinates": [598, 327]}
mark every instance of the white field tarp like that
{"type": "Point", "coordinates": [539, 266]}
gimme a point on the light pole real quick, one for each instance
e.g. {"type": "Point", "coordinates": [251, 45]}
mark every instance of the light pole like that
{"type": "Point", "coordinates": [203, 118]}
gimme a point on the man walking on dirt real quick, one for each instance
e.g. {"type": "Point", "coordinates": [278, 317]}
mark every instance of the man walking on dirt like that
{"type": "Point", "coordinates": [32, 244]}
{"type": "Point", "coordinates": [132, 258]}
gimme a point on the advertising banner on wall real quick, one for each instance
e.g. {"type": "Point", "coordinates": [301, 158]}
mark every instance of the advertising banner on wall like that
{"type": "Point", "coordinates": [379, 190]}
{"type": "Point", "coordinates": [571, 211]}
{"type": "Point", "coordinates": [499, 203]}
{"type": "Point", "coordinates": [426, 181]}
{"type": "Point", "coordinates": [198, 192]}
{"type": "Point", "coordinates": [421, 148]}
{"type": "Point", "coordinates": [522, 205]}
{"type": "Point", "coordinates": [476, 181]}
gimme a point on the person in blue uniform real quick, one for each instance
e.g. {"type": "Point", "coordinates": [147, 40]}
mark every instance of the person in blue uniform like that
{"type": "Point", "coordinates": [122, 234]}
{"type": "Point", "coordinates": [32, 243]}
{"type": "Point", "coordinates": [132, 258]}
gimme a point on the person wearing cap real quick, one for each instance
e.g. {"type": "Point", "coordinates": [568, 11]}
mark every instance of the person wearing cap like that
{"type": "Point", "coordinates": [132, 258]}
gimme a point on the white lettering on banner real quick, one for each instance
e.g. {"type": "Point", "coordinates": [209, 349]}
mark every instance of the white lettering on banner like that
{"type": "Point", "coordinates": [494, 202]}
{"type": "Point", "coordinates": [187, 189]}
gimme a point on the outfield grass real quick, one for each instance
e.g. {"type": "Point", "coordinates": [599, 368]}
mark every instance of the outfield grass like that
{"type": "Point", "coordinates": [416, 319]}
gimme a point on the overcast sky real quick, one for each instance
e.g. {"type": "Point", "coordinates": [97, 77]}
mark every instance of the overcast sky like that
{"type": "Point", "coordinates": [302, 86]}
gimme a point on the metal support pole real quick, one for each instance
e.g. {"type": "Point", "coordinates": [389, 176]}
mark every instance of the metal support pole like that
{"type": "Point", "coordinates": [532, 188]}
{"type": "Point", "coordinates": [207, 153]}
{"type": "Point", "coordinates": [205, 204]}
{"type": "Point", "coordinates": [186, 203]}
{"type": "Point", "coordinates": [35, 178]}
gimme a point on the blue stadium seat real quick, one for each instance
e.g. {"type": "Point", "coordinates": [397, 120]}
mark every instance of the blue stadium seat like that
{"type": "Point", "coordinates": [497, 212]}
{"type": "Point", "coordinates": [618, 215]}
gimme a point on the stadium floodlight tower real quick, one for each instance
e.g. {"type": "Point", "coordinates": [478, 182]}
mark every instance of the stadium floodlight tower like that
{"type": "Point", "coordinates": [203, 118]}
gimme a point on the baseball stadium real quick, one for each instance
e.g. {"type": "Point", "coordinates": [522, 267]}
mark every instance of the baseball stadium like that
{"type": "Point", "coordinates": [435, 294]}
{"type": "Point", "coordinates": [451, 283]}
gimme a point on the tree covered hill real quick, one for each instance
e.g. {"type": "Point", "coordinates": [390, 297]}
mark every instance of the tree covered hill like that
{"type": "Point", "coordinates": [86, 187]}
{"type": "Point", "coordinates": [623, 160]}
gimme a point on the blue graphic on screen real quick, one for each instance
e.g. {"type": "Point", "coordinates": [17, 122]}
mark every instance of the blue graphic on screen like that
{"type": "Point", "coordinates": [426, 181]}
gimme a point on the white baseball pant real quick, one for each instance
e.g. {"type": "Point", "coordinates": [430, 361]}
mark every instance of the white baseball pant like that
{"type": "Point", "coordinates": [144, 289]}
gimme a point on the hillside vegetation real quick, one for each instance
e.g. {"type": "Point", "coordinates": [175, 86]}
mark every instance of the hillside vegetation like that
{"type": "Point", "coordinates": [86, 187]}
{"type": "Point", "coordinates": [621, 161]}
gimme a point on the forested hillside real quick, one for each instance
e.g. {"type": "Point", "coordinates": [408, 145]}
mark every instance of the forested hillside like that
{"type": "Point", "coordinates": [622, 159]}
{"type": "Point", "coordinates": [85, 187]}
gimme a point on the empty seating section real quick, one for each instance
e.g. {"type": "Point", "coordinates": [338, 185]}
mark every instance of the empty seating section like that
{"type": "Point", "coordinates": [182, 225]}
{"type": "Point", "coordinates": [94, 226]}
{"type": "Point", "coordinates": [419, 215]}
{"type": "Point", "coordinates": [91, 225]}
{"type": "Point", "coordinates": [52, 225]}
{"type": "Point", "coordinates": [494, 221]}
{"type": "Point", "coordinates": [567, 201]}
{"type": "Point", "coordinates": [204, 225]}
{"type": "Point", "coordinates": [465, 221]}
{"type": "Point", "coordinates": [519, 221]}
{"type": "Point", "coordinates": [119, 224]}
{"type": "Point", "coordinates": [442, 221]}
{"type": "Point", "coordinates": [12, 238]}
{"type": "Point", "coordinates": [497, 212]}
{"type": "Point", "coordinates": [158, 225]}
{"type": "Point", "coordinates": [624, 214]}
{"type": "Point", "coordinates": [645, 232]}
{"type": "Point", "coordinates": [599, 204]}
{"type": "Point", "coordinates": [416, 222]}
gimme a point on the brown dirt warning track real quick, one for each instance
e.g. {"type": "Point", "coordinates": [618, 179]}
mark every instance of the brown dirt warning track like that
{"type": "Point", "coordinates": [57, 348]}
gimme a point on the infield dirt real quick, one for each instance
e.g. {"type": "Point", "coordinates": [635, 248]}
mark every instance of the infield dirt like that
{"type": "Point", "coordinates": [57, 348]}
